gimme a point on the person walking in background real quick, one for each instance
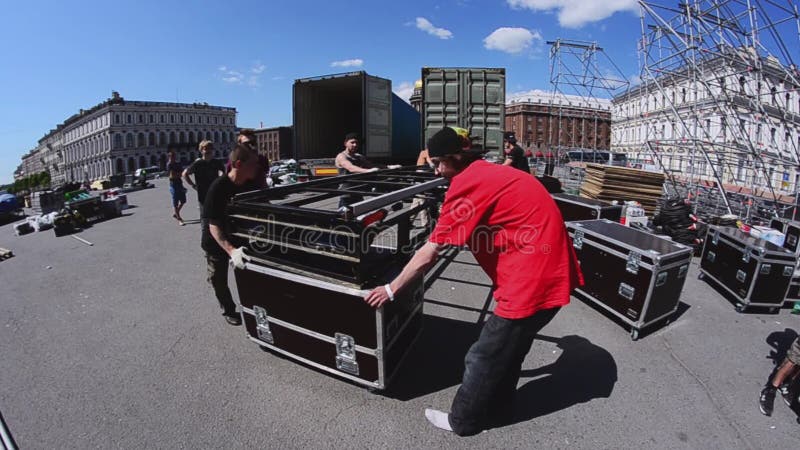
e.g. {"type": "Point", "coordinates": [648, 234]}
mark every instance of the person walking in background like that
{"type": "Point", "coordinates": [205, 170]}
{"type": "Point", "coordinates": [176, 189]}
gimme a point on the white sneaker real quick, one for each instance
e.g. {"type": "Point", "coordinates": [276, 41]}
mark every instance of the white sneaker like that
{"type": "Point", "coordinates": [437, 418]}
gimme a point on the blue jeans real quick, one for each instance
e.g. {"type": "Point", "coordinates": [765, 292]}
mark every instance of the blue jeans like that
{"type": "Point", "coordinates": [491, 371]}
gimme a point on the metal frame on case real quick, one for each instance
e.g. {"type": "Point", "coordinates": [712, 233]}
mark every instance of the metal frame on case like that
{"type": "Point", "coordinates": [379, 352]}
{"type": "Point", "coordinates": [636, 325]}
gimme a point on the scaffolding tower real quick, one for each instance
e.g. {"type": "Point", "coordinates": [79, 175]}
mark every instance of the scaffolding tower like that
{"type": "Point", "coordinates": [582, 75]}
{"type": "Point", "coordinates": [719, 101]}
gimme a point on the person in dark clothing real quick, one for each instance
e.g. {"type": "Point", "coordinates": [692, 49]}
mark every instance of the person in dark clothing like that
{"type": "Point", "coordinates": [515, 155]}
{"type": "Point", "coordinates": [205, 169]}
{"type": "Point", "coordinates": [215, 242]}
{"type": "Point", "coordinates": [176, 189]}
{"type": "Point", "coordinates": [350, 161]}
{"type": "Point", "coordinates": [509, 221]}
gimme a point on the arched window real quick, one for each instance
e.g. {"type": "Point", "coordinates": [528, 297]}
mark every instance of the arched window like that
{"type": "Point", "coordinates": [117, 141]}
{"type": "Point", "coordinates": [140, 142]}
{"type": "Point", "coordinates": [129, 140]}
{"type": "Point", "coordinates": [141, 118]}
{"type": "Point", "coordinates": [162, 164]}
{"type": "Point", "coordinates": [162, 138]}
{"type": "Point", "coordinates": [224, 137]}
{"type": "Point", "coordinates": [131, 164]}
{"type": "Point", "coordinates": [142, 162]}
{"type": "Point", "coordinates": [208, 135]}
{"type": "Point", "coordinates": [216, 136]}
{"type": "Point", "coordinates": [191, 118]}
{"type": "Point", "coordinates": [153, 160]}
{"type": "Point", "coordinates": [181, 137]}
{"type": "Point", "coordinates": [116, 119]}
{"type": "Point", "coordinates": [180, 118]}
{"type": "Point", "coordinates": [172, 118]}
{"type": "Point", "coordinates": [129, 119]}
{"type": "Point", "coordinates": [161, 118]}
{"type": "Point", "coordinates": [191, 135]}
{"type": "Point", "coordinates": [151, 139]}
{"type": "Point", "coordinates": [171, 137]}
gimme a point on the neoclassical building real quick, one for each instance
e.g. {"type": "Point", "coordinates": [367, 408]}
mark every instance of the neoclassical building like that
{"type": "Point", "coordinates": [119, 136]}
{"type": "Point", "coordinates": [726, 107]}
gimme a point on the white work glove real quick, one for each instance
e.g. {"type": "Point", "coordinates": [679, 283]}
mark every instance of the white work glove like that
{"type": "Point", "coordinates": [394, 166]}
{"type": "Point", "coordinates": [374, 169]}
{"type": "Point", "coordinates": [239, 258]}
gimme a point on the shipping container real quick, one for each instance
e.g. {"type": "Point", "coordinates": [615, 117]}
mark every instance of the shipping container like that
{"type": "Point", "coordinates": [471, 98]}
{"type": "Point", "coordinates": [326, 108]}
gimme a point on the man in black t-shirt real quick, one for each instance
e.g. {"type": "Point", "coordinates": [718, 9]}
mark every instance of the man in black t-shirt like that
{"type": "Point", "coordinates": [176, 189]}
{"type": "Point", "coordinates": [515, 155]}
{"type": "Point", "coordinates": [205, 169]}
{"type": "Point", "coordinates": [216, 242]}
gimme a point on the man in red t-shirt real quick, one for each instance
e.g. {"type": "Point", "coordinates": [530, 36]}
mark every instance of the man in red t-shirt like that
{"type": "Point", "coordinates": [517, 234]}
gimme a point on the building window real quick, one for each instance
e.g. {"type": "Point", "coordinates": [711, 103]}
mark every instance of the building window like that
{"type": "Point", "coordinates": [141, 118]}
{"type": "Point", "coordinates": [129, 140]}
{"type": "Point", "coordinates": [215, 120]}
{"type": "Point", "coordinates": [162, 139]}
{"type": "Point", "coordinates": [742, 82]}
{"type": "Point", "coordinates": [181, 137]}
{"type": "Point", "coordinates": [191, 118]}
{"type": "Point", "coordinates": [140, 140]}
{"type": "Point", "coordinates": [171, 137]}
{"type": "Point", "coordinates": [117, 140]}
{"type": "Point", "coordinates": [180, 117]}
{"type": "Point", "coordinates": [129, 119]}
{"type": "Point", "coordinates": [161, 118]}
{"type": "Point", "coordinates": [172, 118]}
{"type": "Point", "coordinates": [152, 119]}
{"type": "Point", "coordinates": [151, 139]}
{"type": "Point", "coordinates": [116, 119]}
{"type": "Point", "coordinates": [191, 133]}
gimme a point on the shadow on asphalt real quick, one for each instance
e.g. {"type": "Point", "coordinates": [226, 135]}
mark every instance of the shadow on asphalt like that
{"type": "Point", "coordinates": [436, 361]}
{"type": "Point", "coordinates": [584, 371]}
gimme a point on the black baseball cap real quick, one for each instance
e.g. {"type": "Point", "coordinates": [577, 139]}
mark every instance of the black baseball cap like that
{"type": "Point", "coordinates": [448, 141]}
{"type": "Point", "coordinates": [510, 136]}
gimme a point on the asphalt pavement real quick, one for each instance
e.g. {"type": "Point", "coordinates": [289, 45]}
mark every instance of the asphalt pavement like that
{"type": "Point", "coordinates": [121, 345]}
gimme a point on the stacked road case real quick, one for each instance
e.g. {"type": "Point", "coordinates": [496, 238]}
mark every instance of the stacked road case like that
{"type": "Point", "coordinates": [311, 262]}
{"type": "Point", "coordinates": [636, 276]}
{"type": "Point", "coordinates": [573, 208]}
{"type": "Point", "coordinates": [756, 272]}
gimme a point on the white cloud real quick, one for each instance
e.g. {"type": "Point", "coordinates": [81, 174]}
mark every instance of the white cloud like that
{"type": "Point", "coordinates": [511, 40]}
{"type": "Point", "coordinates": [230, 76]}
{"type": "Point", "coordinates": [348, 63]}
{"type": "Point", "coordinates": [404, 90]}
{"type": "Point", "coordinates": [577, 13]}
{"type": "Point", "coordinates": [426, 26]}
{"type": "Point", "coordinates": [233, 76]}
{"type": "Point", "coordinates": [257, 68]}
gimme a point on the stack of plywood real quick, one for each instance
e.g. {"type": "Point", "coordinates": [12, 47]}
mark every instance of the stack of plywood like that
{"type": "Point", "coordinates": [623, 184]}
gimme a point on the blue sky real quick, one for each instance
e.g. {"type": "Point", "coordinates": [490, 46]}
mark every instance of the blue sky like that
{"type": "Point", "coordinates": [59, 57]}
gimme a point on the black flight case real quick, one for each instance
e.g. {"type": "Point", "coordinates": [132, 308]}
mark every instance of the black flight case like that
{"type": "Point", "coordinates": [754, 271]}
{"type": "Point", "coordinates": [636, 276]}
{"type": "Point", "coordinates": [311, 262]}
{"type": "Point", "coordinates": [573, 207]}
{"type": "Point", "coordinates": [790, 229]}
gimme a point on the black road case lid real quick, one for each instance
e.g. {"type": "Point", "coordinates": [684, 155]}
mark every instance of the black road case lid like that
{"type": "Point", "coordinates": [653, 249]}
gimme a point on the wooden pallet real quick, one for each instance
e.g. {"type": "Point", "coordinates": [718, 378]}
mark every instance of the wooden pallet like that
{"type": "Point", "coordinates": [623, 184]}
{"type": "Point", "coordinates": [5, 253]}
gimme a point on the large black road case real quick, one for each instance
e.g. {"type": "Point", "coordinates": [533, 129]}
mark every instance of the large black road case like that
{"type": "Point", "coordinates": [636, 276]}
{"type": "Point", "coordinates": [573, 207]}
{"type": "Point", "coordinates": [312, 259]}
{"type": "Point", "coordinates": [328, 325]}
{"type": "Point", "coordinates": [756, 272]}
{"type": "Point", "coordinates": [791, 230]}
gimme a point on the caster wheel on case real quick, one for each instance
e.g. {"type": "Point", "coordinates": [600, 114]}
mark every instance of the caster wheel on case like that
{"type": "Point", "coordinates": [701, 276]}
{"type": "Point", "coordinates": [774, 310]}
{"type": "Point", "coordinates": [634, 334]}
{"type": "Point", "coordinates": [740, 308]}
